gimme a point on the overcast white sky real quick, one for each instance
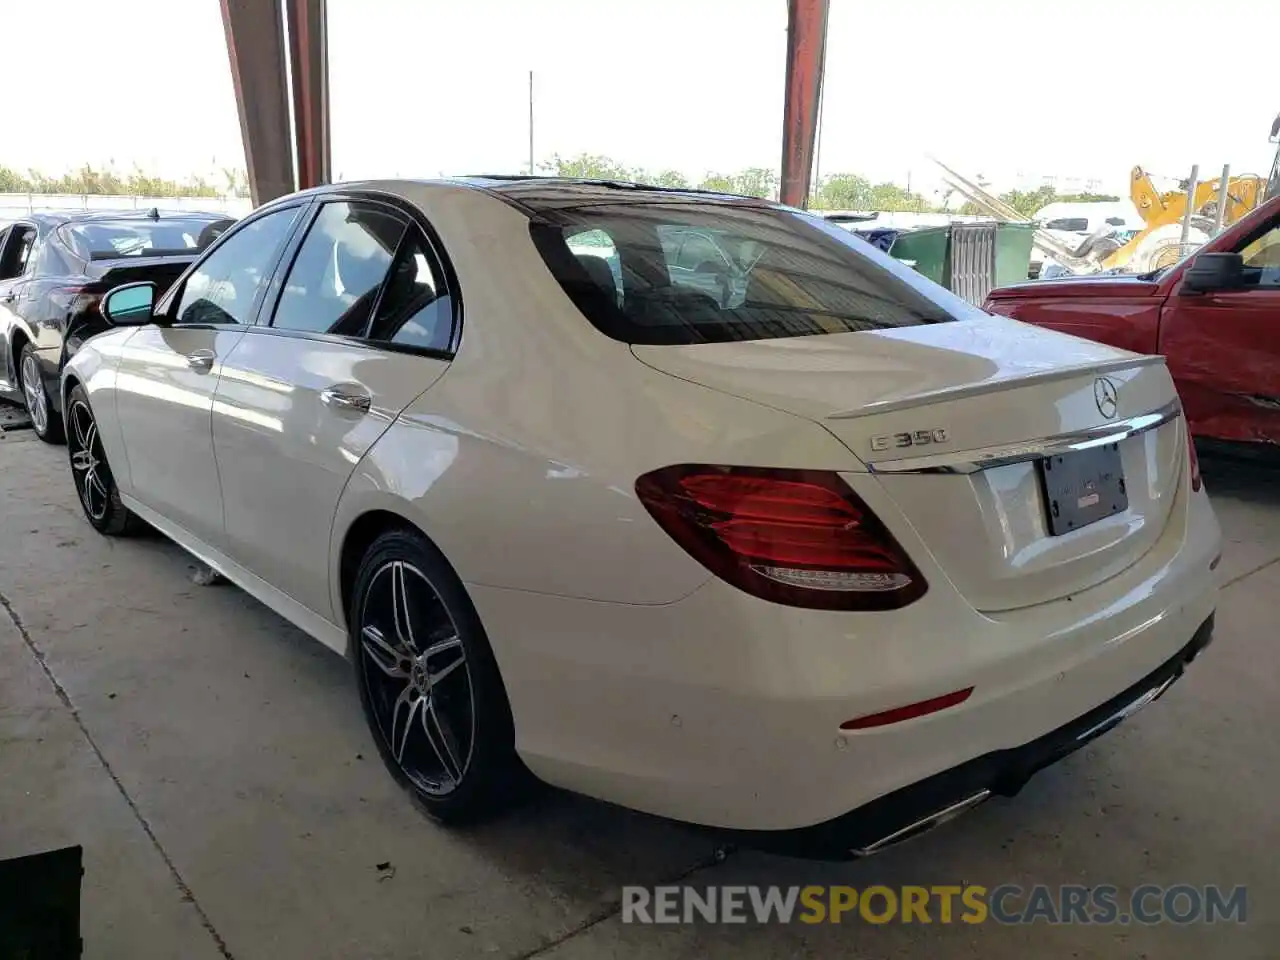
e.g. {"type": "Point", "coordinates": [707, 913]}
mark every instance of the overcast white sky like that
{"type": "Point", "coordinates": [1005, 88]}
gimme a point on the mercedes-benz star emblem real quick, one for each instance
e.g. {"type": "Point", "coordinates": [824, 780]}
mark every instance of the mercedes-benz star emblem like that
{"type": "Point", "coordinates": [1106, 396]}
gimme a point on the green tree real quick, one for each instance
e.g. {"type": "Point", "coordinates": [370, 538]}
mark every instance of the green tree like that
{"type": "Point", "coordinates": [237, 182]}
{"type": "Point", "coordinates": [1088, 198]}
{"type": "Point", "coordinates": [890, 198]}
{"type": "Point", "coordinates": [665, 178]}
{"type": "Point", "coordinates": [843, 191]}
{"type": "Point", "coordinates": [1027, 202]}
{"type": "Point", "coordinates": [757, 182]}
{"type": "Point", "coordinates": [718, 183]}
{"type": "Point", "coordinates": [751, 182]}
{"type": "Point", "coordinates": [106, 181]}
{"type": "Point", "coordinates": [586, 166]}
{"type": "Point", "coordinates": [591, 166]}
{"type": "Point", "coordinates": [11, 181]}
{"type": "Point", "coordinates": [851, 191]}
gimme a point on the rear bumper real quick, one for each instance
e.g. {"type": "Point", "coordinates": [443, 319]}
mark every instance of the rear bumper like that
{"type": "Point", "coordinates": [723, 710]}
{"type": "Point", "coordinates": [910, 811]}
{"type": "Point", "coordinates": [51, 367]}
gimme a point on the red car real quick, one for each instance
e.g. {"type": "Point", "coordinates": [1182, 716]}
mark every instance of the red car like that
{"type": "Point", "coordinates": [1215, 316]}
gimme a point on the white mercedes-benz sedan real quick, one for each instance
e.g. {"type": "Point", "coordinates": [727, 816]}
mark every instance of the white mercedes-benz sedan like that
{"type": "Point", "coordinates": [694, 503]}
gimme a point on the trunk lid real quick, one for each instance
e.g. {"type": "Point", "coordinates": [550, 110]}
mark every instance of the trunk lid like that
{"type": "Point", "coordinates": [989, 392]}
{"type": "Point", "coordinates": [105, 274]}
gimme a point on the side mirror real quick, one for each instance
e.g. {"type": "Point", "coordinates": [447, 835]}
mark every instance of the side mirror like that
{"type": "Point", "coordinates": [130, 305]}
{"type": "Point", "coordinates": [1210, 272]}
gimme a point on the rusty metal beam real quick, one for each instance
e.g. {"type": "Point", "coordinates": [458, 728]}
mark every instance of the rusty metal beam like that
{"type": "Point", "coordinates": [255, 46]}
{"type": "Point", "coordinates": [806, 50]}
{"type": "Point", "coordinates": [309, 72]}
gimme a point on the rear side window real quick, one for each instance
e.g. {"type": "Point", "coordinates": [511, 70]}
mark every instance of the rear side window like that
{"type": "Point", "coordinates": [15, 250]}
{"type": "Point", "coordinates": [416, 309]}
{"type": "Point", "coordinates": [660, 272]}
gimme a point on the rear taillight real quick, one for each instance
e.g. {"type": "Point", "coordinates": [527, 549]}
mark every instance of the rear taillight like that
{"type": "Point", "coordinates": [799, 537]}
{"type": "Point", "coordinates": [1196, 481]}
{"type": "Point", "coordinates": [73, 300]}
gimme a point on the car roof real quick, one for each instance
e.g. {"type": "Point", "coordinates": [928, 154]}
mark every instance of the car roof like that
{"type": "Point", "coordinates": [536, 193]}
{"type": "Point", "coordinates": [561, 192]}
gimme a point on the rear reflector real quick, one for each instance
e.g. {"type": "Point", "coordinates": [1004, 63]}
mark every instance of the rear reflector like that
{"type": "Point", "coordinates": [799, 537]}
{"type": "Point", "coordinates": [909, 712]}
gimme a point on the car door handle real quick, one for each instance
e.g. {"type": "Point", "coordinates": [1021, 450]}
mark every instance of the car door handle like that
{"type": "Point", "coordinates": [346, 398]}
{"type": "Point", "coordinates": [201, 360]}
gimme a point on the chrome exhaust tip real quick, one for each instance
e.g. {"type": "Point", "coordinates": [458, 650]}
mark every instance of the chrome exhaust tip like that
{"type": "Point", "coordinates": [922, 826]}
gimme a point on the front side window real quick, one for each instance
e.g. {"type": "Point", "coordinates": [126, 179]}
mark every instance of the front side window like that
{"type": "Point", "coordinates": [225, 287]}
{"type": "Point", "coordinates": [751, 273]}
{"type": "Point", "coordinates": [334, 282]}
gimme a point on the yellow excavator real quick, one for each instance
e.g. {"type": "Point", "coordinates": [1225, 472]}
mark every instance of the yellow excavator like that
{"type": "Point", "coordinates": [1159, 243]}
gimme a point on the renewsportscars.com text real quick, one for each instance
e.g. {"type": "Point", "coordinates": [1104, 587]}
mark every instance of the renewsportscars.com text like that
{"type": "Point", "coordinates": [972, 904]}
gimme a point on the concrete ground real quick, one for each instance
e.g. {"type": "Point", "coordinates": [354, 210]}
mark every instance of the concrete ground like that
{"type": "Point", "coordinates": [214, 765]}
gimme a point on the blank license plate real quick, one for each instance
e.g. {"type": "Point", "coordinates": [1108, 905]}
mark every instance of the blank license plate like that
{"type": "Point", "coordinates": [1083, 487]}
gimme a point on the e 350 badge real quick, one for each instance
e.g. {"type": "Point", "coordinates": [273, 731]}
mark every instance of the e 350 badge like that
{"type": "Point", "coordinates": [916, 438]}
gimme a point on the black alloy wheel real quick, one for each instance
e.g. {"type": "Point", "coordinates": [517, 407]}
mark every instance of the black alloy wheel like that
{"type": "Point", "coordinates": [429, 685]}
{"type": "Point", "coordinates": [95, 484]}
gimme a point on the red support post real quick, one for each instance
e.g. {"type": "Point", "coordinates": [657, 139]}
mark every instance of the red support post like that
{"type": "Point", "coordinates": [806, 49]}
{"type": "Point", "coordinates": [255, 45]}
{"type": "Point", "coordinates": [309, 72]}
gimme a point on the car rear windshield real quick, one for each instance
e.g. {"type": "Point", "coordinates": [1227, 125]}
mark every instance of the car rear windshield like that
{"type": "Point", "coordinates": [687, 272]}
{"type": "Point", "coordinates": [103, 239]}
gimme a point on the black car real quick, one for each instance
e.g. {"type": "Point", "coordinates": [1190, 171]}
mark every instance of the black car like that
{"type": "Point", "coordinates": [54, 269]}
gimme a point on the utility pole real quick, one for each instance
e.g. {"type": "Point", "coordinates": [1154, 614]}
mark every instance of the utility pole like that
{"type": "Point", "coordinates": [531, 123]}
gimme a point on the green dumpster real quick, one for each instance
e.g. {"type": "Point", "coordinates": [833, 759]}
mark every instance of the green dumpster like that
{"type": "Point", "coordinates": [969, 258]}
{"type": "Point", "coordinates": [926, 250]}
{"type": "Point", "coordinates": [1013, 252]}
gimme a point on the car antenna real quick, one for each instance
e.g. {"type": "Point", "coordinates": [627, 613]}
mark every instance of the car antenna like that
{"type": "Point", "coordinates": [154, 214]}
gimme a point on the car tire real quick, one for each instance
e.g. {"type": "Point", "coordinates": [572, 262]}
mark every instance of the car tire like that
{"type": "Point", "coordinates": [95, 484]}
{"type": "Point", "coordinates": [46, 423]}
{"type": "Point", "coordinates": [429, 684]}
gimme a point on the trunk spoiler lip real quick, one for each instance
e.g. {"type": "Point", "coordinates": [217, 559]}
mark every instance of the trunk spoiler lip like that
{"type": "Point", "coordinates": [146, 261]}
{"type": "Point", "coordinates": [104, 256]}
{"type": "Point", "coordinates": [988, 386]}
{"type": "Point", "coordinates": [973, 461]}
